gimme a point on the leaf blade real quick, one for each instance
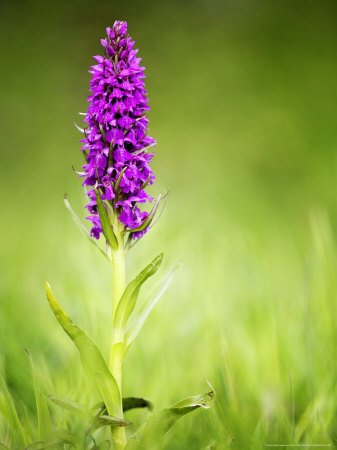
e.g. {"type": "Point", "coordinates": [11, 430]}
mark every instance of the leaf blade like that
{"type": "Point", "coordinates": [129, 298]}
{"type": "Point", "coordinates": [147, 307]}
{"type": "Point", "coordinates": [136, 402]}
{"type": "Point", "coordinates": [3, 408]}
{"type": "Point", "coordinates": [149, 218]}
{"type": "Point", "coordinates": [83, 229]}
{"type": "Point", "coordinates": [103, 420]}
{"type": "Point", "coordinates": [56, 438]}
{"type": "Point", "coordinates": [44, 423]}
{"type": "Point", "coordinates": [105, 223]}
{"type": "Point", "coordinates": [128, 403]}
{"type": "Point", "coordinates": [12, 417]}
{"type": "Point", "coordinates": [159, 423]}
{"type": "Point", "coordinates": [67, 403]}
{"type": "Point", "coordinates": [91, 357]}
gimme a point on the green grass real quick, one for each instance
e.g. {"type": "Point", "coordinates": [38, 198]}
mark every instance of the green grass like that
{"type": "Point", "coordinates": [243, 108]}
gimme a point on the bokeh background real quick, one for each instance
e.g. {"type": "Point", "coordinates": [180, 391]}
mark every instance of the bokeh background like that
{"type": "Point", "coordinates": [243, 106]}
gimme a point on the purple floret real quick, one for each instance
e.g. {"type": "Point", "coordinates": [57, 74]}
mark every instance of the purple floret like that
{"type": "Point", "coordinates": [116, 139]}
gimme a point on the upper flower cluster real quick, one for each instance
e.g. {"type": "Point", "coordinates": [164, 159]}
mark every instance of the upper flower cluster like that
{"type": "Point", "coordinates": [116, 143]}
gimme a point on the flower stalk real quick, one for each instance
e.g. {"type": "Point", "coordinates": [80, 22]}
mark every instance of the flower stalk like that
{"type": "Point", "coordinates": [117, 348]}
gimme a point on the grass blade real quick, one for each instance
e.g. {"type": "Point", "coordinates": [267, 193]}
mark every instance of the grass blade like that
{"type": "Point", "coordinates": [68, 404]}
{"type": "Point", "coordinates": [12, 417]}
{"type": "Point", "coordinates": [3, 408]}
{"type": "Point", "coordinates": [45, 426]}
{"type": "Point", "coordinates": [57, 439]}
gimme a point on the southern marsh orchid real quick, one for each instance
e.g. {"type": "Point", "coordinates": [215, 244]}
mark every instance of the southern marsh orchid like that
{"type": "Point", "coordinates": [116, 171]}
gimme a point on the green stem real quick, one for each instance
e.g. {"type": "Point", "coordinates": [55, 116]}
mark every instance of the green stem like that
{"type": "Point", "coordinates": [117, 348]}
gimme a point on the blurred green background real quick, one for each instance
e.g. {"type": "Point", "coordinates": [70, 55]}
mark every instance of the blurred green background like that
{"type": "Point", "coordinates": [243, 106]}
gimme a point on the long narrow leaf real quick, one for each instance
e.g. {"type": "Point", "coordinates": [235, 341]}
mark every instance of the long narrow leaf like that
{"type": "Point", "coordinates": [83, 229]}
{"type": "Point", "coordinates": [66, 403]}
{"type": "Point", "coordinates": [81, 130]}
{"type": "Point", "coordinates": [45, 426]}
{"type": "Point", "coordinates": [55, 439]}
{"type": "Point", "coordinates": [130, 295]}
{"type": "Point", "coordinates": [136, 402]}
{"type": "Point", "coordinates": [91, 357]}
{"type": "Point", "coordinates": [159, 423]}
{"type": "Point", "coordinates": [147, 307]}
{"type": "Point", "coordinates": [101, 421]}
{"type": "Point", "coordinates": [119, 179]}
{"type": "Point", "coordinates": [128, 403]}
{"type": "Point", "coordinates": [12, 417]}
{"type": "Point", "coordinates": [3, 408]}
{"type": "Point", "coordinates": [149, 218]}
{"type": "Point", "coordinates": [104, 445]}
{"type": "Point", "coordinates": [105, 222]}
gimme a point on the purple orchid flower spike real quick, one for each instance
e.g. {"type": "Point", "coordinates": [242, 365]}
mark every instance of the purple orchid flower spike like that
{"type": "Point", "coordinates": [116, 144]}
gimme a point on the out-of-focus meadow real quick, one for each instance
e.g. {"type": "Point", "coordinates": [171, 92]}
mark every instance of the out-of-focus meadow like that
{"type": "Point", "coordinates": [243, 106]}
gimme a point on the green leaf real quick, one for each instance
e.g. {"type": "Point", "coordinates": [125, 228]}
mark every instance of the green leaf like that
{"type": "Point", "coordinates": [83, 229]}
{"type": "Point", "coordinates": [66, 403]}
{"type": "Point", "coordinates": [105, 222]}
{"type": "Point", "coordinates": [91, 357]}
{"type": "Point", "coordinates": [3, 408]}
{"type": "Point", "coordinates": [146, 182]}
{"type": "Point", "coordinates": [58, 437]}
{"type": "Point", "coordinates": [103, 134]}
{"type": "Point", "coordinates": [104, 445]}
{"type": "Point", "coordinates": [129, 298]}
{"type": "Point", "coordinates": [120, 178]}
{"type": "Point", "coordinates": [136, 402]}
{"type": "Point", "coordinates": [12, 417]}
{"type": "Point", "coordinates": [147, 307]}
{"type": "Point", "coordinates": [80, 129]}
{"type": "Point", "coordinates": [149, 218]}
{"type": "Point", "coordinates": [103, 420]}
{"type": "Point", "coordinates": [44, 422]}
{"type": "Point", "coordinates": [159, 423]}
{"type": "Point", "coordinates": [128, 403]}
{"type": "Point", "coordinates": [144, 149]}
